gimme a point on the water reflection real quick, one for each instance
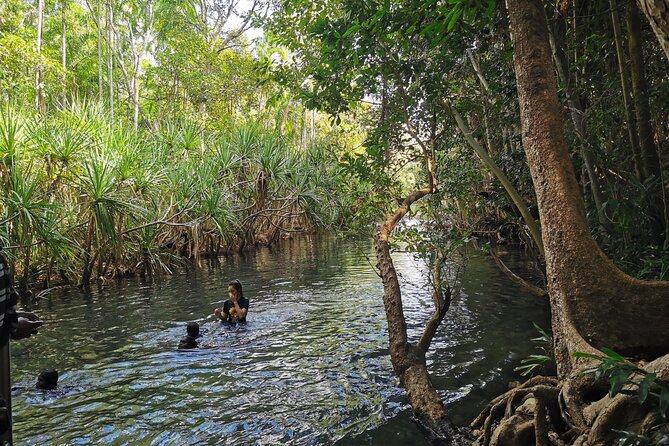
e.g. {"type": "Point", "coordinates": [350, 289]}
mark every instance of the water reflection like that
{"type": "Point", "coordinates": [310, 367]}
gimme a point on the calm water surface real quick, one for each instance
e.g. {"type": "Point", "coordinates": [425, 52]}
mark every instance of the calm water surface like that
{"type": "Point", "coordinates": [310, 368]}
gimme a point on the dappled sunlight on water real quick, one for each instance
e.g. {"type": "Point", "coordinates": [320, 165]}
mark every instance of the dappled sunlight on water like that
{"type": "Point", "coordinates": [310, 367]}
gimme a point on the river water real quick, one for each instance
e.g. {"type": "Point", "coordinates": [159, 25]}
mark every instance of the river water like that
{"type": "Point", "coordinates": [311, 367]}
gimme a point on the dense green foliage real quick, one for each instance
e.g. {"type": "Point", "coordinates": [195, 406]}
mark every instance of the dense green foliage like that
{"type": "Point", "coordinates": [84, 197]}
{"type": "Point", "coordinates": [393, 75]}
{"type": "Point", "coordinates": [424, 62]}
{"type": "Point", "coordinates": [136, 133]}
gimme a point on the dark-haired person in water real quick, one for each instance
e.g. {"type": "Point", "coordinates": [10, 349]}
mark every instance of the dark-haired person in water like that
{"type": "Point", "coordinates": [192, 333]}
{"type": "Point", "coordinates": [47, 380]}
{"type": "Point", "coordinates": [236, 308]}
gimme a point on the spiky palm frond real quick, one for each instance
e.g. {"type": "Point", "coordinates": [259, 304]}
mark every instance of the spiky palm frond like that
{"type": "Point", "coordinates": [12, 136]}
{"type": "Point", "coordinates": [272, 156]}
{"type": "Point", "coordinates": [98, 186]}
{"type": "Point", "coordinates": [245, 139]}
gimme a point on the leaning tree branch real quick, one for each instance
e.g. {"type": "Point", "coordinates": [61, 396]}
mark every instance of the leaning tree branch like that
{"type": "Point", "coordinates": [442, 302]}
{"type": "Point", "coordinates": [532, 225]}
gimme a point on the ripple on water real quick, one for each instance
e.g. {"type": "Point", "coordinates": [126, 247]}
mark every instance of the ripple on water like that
{"type": "Point", "coordinates": [311, 367]}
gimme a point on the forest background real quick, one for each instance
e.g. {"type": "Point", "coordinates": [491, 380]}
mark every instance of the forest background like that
{"type": "Point", "coordinates": [139, 125]}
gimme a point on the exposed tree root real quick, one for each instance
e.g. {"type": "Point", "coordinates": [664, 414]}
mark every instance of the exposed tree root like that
{"type": "Point", "coordinates": [522, 416]}
{"type": "Point", "coordinates": [577, 411]}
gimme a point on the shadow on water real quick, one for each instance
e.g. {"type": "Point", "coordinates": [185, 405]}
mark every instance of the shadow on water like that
{"type": "Point", "coordinates": [311, 366]}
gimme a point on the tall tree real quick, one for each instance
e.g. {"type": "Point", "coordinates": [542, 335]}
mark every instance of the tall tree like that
{"type": "Point", "coordinates": [591, 299]}
{"type": "Point", "coordinates": [63, 46]}
{"type": "Point", "coordinates": [98, 29]}
{"type": "Point", "coordinates": [40, 99]}
{"type": "Point", "coordinates": [110, 55]}
{"type": "Point", "coordinates": [626, 90]}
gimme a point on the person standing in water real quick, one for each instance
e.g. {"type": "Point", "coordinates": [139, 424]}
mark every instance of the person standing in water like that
{"type": "Point", "coordinates": [236, 308]}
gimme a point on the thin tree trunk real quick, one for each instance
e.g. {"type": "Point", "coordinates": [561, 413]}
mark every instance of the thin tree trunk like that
{"type": "Point", "coordinates": [313, 125]}
{"type": "Point", "coordinates": [657, 13]}
{"type": "Point", "coordinates": [110, 62]}
{"type": "Point", "coordinates": [532, 225]}
{"type": "Point", "coordinates": [651, 159]}
{"type": "Point", "coordinates": [625, 83]}
{"type": "Point", "coordinates": [100, 75]}
{"type": "Point", "coordinates": [25, 277]}
{"type": "Point", "coordinates": [63, 47]}
{"type": "Point", "coordinates": [285, 114]}
{"type": "Point", "coordinates": [40, 101]}
{"type": "Point", "coordinates": [135, 97]}
{"type": "Point", "coordinates": [88, 262]}
{"type": "Point", "coordinates": [408, 360]}
{"type": "Point", "coordinates": [577, 113]}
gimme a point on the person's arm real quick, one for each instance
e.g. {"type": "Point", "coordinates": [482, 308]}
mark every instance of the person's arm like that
{"type": "Point", "coordinates": [239, 311]}
{"type": "Point", "coordinates": [28, 324]}
{"type": "Point", "coordinates": [219, 314]}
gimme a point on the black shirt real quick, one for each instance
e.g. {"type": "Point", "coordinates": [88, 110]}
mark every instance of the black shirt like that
{"type": "Point", "coordinates": [229, 310]}
{"type": "Point", "coordinates": [187, 342]}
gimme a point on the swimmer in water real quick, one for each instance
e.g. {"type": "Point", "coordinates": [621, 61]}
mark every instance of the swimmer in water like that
{"type": "Point", "coordinates": [236, 308]}
{"type": "Point", "coordinates": [192, 333]}
{"type": "Point", "coordinates": [47, 380]}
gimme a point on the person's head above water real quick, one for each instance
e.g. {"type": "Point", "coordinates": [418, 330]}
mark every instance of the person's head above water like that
{"type": "Point", "coordinates": [47, 380]}
{"type": "Point", "coordinates": [235, 286]}
{"type": "Point", "coordinates": [193, 329]}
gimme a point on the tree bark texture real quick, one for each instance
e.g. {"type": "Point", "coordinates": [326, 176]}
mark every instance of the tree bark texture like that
{"type": "Point", "coordinates": [408, 359]}
{"type": "Point", "coordinates": [657, 12]}
{"type": "Point", "coordinates": [593, 303]}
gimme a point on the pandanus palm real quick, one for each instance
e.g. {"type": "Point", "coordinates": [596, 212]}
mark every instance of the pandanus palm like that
{"type": "Point", "coordinates": [59, 142]}
{"type": "Point", "coordinates": [33, 222]}
{"type": "Point", "coordinates": [270, 162]}
{"type": "Point", "coordinates": [12, 140]}
{"type": "Point", "coordinates": [101, 204]}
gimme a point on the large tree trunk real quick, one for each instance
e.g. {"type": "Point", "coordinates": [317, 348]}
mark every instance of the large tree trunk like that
{"type": "Point", "coordinates": [593, 303]}
{"type": "Point", "coordinates": [657, 12]}
{"type": "Point", "coordinates": [590, 298]}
